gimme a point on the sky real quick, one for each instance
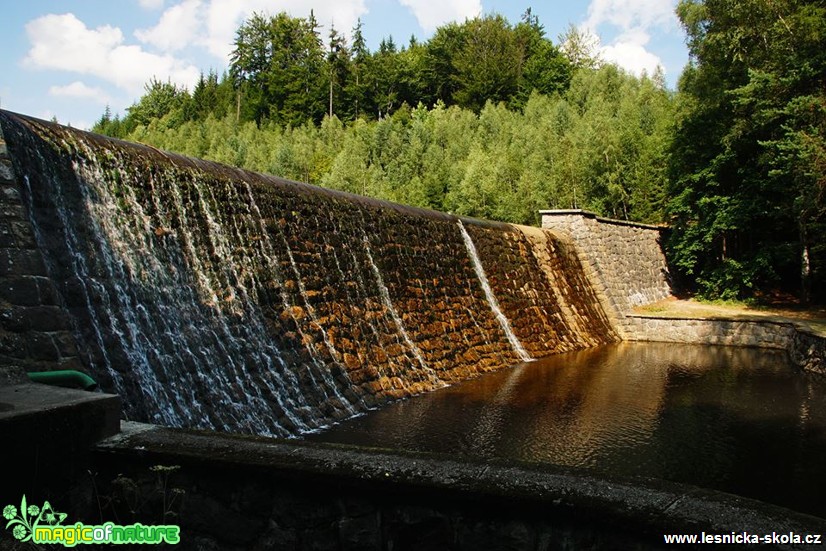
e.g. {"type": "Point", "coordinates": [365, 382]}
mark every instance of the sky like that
{"type": "Point", "coordinates": [69, 59]}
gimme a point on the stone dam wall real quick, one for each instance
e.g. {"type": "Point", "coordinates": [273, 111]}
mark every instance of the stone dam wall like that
{"type": "Point", "coordinates": [34, 330]}
{"type": "Point", "coordinates": [212, 297]}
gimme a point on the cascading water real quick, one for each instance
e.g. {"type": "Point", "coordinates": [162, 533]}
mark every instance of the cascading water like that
{"type": "Point", "coordinates": [494, 304]}
{"type": "Point", "coordinates": [214, 297]}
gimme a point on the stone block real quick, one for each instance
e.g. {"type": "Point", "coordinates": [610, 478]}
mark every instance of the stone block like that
{"type": "Point", "coordinates": [21, 262]}
{"type": "Point", "coordinates": [65, 343]}
{"type": "Point", "coordinates": [13, 345]}
{"type": "Point", "coordinates": [12, 319]}
{"type": "Point", "coordinates": [9, 193]}
{"type": "Point", "coordinates": [12, 212]}
{"type": "Point", "coordinates": [6, 172]}
{"type": "Point", "coordinates": [41, 346]}
{"type": "Point", "coordinates": [46, 318]}
{"type": "Point", "coordinates": [20, 291]}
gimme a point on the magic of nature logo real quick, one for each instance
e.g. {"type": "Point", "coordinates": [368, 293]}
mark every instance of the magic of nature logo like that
{"type": "Point", "coordinates": [42, 524]}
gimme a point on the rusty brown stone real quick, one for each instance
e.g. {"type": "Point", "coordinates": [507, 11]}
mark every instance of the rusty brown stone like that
{"type": "Point", "coordinates": [351, 361]}
{"type": "Point", "coordinates": [379, 354]}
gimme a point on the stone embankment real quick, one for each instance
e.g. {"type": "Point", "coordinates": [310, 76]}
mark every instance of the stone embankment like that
{"type": "Point", "coordinates": [625, 263]}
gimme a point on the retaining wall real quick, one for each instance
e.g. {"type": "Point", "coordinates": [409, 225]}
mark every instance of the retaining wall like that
{"type": "Point", "coordinates": [623, 260]}
{"type": "Point", "coordinates": [236, 492]}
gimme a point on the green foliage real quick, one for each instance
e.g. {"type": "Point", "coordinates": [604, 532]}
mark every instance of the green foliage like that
{"type": "Point", "coordinates": [486, 119]}
{"type": "Point", "coordinates": [600, 146]}
{"type": "Point", "coordinates": [281, 71]}
{"type": "Point", "coordinates": [748, 153]}
{"type": "Point", "coordinates": [506, 123]}
{"type": "Point", "coordinates": [277, 67]}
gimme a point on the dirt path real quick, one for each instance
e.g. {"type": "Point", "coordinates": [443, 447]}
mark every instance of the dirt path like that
{"type": "Point", "coordinates": [814, 317]}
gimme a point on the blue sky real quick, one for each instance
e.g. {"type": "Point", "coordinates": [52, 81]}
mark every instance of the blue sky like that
{"type": "Point", "coordinates": [69, 59]}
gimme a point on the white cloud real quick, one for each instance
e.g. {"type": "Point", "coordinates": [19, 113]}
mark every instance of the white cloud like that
{"type": "Point", "coordinates": [63, 42]}
{"type": "Point", "coordinates": [636, 20]}
{"type": "Point", "coordinates": [632, 57]}
{"type": "Point", "coordinates": [432, 13]}
{"type": "Point", "coordinates": [151, 4]}
{"type": "Point", "coordinates": [80, 90]}
{"type": "Point", "coordinates": [212, 24]}
{"type": "Point", "coordinates": [629, 14]}
{"type": "Point", "coordinates": [177, 28]}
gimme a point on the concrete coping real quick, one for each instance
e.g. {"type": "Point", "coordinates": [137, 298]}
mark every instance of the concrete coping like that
{"type": "Point", "coordinates": [20, 401]}
{"type": "Point", "coordinates": [645, 506]}
{"type": "Point", "coordinates": [587, 214]}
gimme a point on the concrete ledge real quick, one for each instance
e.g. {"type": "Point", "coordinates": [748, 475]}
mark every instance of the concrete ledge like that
{"type": "Point", "coordinates": [806, 347]}
{"type": "Point", "coordinates": [303, 494]}
{"type": "Point", "coordinates": [591, 215]}
{"type": "Point", "coordinates": [47, 433]}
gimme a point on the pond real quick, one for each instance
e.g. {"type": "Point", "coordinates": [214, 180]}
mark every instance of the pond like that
{"type": "Point", "coordinates": [740, 420]}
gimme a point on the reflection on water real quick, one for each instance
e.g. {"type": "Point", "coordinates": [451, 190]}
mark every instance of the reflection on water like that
{"type": "Point", "coordinates": [734, 419]}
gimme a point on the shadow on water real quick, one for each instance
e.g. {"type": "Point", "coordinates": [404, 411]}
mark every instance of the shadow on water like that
{"type": "Point", "coordinates": [738, 420]}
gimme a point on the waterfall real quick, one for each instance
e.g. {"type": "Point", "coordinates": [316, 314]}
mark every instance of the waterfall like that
{"type": "Point", "coordinates": [385, 297]}
{"type": "Point", "coordinates": [494, 304]}
{"type": "Point", "coordinates": [212, 297]}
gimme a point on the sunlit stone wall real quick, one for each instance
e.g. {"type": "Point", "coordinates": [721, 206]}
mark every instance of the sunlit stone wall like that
{"type": "Point", "coordinates": [624, 260]}
{"type": "Point", "coordinates": [208, 296]}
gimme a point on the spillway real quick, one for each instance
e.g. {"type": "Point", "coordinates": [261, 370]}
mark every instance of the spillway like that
{"type": "Point", "coordinates": [213, 297]}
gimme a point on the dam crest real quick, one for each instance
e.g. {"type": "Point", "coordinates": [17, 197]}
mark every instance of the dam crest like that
{"type": "Point", "coordinates": [212, 297]}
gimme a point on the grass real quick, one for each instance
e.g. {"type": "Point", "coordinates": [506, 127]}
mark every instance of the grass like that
{"type": "Point", "coordinates": [815, 317]}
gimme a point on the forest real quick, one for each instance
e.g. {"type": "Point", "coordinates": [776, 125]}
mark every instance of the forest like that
{"type": "Point", "coordinates": [494, 120]}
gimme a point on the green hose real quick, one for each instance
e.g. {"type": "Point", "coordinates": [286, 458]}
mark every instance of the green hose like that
{"type": "Point", "coordinates": [66, 378]}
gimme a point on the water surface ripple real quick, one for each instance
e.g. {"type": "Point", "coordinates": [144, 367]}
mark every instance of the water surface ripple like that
{"type": "Point", "coordinates": [734, 419]}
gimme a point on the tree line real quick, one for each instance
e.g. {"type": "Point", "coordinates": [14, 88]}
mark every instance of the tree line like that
{"type": "Point", "coordinates": [748, 161]}
{"type": "Point", "coordinates": [494, 120]}
{"type": "Point", "coordinates": [282, 70]}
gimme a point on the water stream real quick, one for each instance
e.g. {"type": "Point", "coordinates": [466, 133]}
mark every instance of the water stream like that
{"type": "Point", "coordinates": [494, 304]}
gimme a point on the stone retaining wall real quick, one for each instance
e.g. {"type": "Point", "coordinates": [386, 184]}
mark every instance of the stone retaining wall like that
{"type": "Point", "coordinates": [756, 333]}
{"type": "Point", "coordinates": [806, 348]}
{"type": "Point", "coordinates": [623, 260]}
{"type": "Point", "coordinates": [808, 351]}
{"type": "Point", "coordinates": [625, 264]}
